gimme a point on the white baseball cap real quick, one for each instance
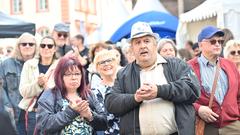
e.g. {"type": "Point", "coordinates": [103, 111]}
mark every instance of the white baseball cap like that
{"type": "Point", "coordinates": [140, 29]}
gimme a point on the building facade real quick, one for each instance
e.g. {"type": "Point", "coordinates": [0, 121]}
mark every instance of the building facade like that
{"type": "Point", "coordinates": [80, 14]}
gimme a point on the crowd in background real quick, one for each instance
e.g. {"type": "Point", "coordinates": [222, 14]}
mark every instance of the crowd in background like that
{"type": "Point", "coordinates": [59, 85]}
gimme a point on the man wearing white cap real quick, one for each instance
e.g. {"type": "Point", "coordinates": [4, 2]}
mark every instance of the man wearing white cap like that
{"type": "Point", "coordinates": [153, 95]}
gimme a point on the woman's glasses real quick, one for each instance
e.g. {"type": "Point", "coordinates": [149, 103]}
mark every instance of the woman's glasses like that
{"type": "Point", "coordinates": [237, 52]}
{"type": "Point", "coordinates": [72, 74]}
{"type": "Point", "coordinates": [65, 35]}
{"type": "Point", "coordinates": [105, 61]}
{"type": "Point", "coordinates": [25, 44]}
{"type": "Point", "coordinates": [49, 46]}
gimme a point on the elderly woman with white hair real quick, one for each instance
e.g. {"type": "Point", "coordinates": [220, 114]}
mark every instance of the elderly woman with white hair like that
{"type": "Point", "coordinates": [167, 48]}
{"type": "Point", "coordinates": [232, 52]}
{"type": "Point", "coordinates": [106, 63]}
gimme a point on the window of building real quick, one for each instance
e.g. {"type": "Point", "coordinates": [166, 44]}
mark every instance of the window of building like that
{"type": "Point", "coordinates": [43, 31]}
{"type": "Point", "coordinates": [42, 5]}
{"type": "Point", "coordinates": [92, 6]}
{"type": "Point", "coordinates": [16, 6]}
{"type": "Point", "coordinates": [87, 6]}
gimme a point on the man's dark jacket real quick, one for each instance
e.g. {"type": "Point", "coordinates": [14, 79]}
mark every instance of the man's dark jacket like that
{"type": "Point", "coordinates": [182, 89]}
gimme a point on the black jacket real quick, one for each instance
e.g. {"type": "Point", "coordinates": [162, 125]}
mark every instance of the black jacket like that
{"type": "Point", "coordinates": [182, 89]}
{"type": "Point", "coordinates": [51, 119]}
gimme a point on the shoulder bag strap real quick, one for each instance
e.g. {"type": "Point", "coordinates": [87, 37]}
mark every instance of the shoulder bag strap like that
{"type": "Point", "coordinates": [214, 84]}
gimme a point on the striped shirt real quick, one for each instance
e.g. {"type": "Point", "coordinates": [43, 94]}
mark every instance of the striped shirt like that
{"type": "Point", "coordinates": [207, 71]}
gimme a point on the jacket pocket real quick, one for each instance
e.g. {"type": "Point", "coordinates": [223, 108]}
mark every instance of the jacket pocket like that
{"type": "Point", "coordinates": [12, 82]}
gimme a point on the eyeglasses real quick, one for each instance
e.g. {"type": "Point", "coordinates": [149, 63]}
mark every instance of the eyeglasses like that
{"type": "Point", "coordinates": [49, 46]}
{"type": "Point", "coordinates": [25, 44]}
{"type": "Point", "coordinates": [72, 74]}
{"type": "Point", "coordinates": [214, 41]}
{"type": "Point", "coordinates": [65, 35]}
{"type": "Point", "coordinates": [237, 52]}
{"type": "Point", "coordinates": [106, 61]}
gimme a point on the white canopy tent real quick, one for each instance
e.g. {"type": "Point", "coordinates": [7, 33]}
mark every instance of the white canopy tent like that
{"type": "Point", "coordinates": [143, 6]}
{"type": "Point", "coordinates": [220, 13]}
{"type": "Point", "coordinates": [112, 14]}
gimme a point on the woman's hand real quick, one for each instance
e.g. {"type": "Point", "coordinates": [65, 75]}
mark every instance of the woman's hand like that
{"type": "Point", "coordinates": [85, 110]}
{"type": "Point", "coordinates": [82, 107]}
{"type": "Point", "coordinates": [74, 105]}
{"type": "Point", "coordinates": [42, 80]}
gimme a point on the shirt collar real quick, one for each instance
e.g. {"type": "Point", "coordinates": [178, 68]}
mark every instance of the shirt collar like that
{"type": "Point", "coordinates": [205, 61]}
{"type": "Point", "coordinates": [160, 60]}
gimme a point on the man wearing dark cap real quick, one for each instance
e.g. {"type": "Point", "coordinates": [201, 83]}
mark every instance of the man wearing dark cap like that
{"type": "Point", "coordinates": [196, 49]}
{"type": "Point", "coordinates": [223, 117]}
{"type": "Point", "coordinates": [153, 95]}
{"type": "Point", "coordinates": [61, 36]}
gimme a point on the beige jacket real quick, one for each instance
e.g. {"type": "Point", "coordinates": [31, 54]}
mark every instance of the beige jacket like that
{"type": "Point", "coordinates": [29, 88]}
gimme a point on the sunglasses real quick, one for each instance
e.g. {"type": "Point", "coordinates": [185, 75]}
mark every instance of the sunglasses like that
{"type": "Point", "coordinates": [214, 41]}
{"type": "Point", "coordinates": [235, 52]}
{"type": "Point", "coordinates": [29, 44]}
{"type": "Point", "coordinates": [65, 35]}
{"type": "Point", "coordinates": [106, 61]}
{"type": "Point", "coordinates": [49, 46]}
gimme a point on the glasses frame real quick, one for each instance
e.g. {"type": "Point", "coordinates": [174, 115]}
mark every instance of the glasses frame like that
{"type": "Point", "coordinates": [49, 46]}
{"type": "Point", "coordinates": [72, 74]}
{"type": "Point", "coordinates": [110, 60]}
{"type": "Point", "coordinates": [25, 44]}
{"type": "Point", "coordinates": [65, 35]}
{"type": "Point", "coordinates": [214, 41]}
{"type": "Point", "coordinates": [235, 52]}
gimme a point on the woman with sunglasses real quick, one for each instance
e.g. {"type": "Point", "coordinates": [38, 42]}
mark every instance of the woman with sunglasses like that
{"type": "Point", "coordinates": [70, 107]}
{"type": "Point", "coordinates": [34, 78]}
{"type": "Point", "coordinates": [10, 71]}
{"type": "Point", "coordinates": [232, 52]}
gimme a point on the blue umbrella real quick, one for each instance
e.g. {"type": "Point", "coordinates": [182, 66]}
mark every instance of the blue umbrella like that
{"type": "Point", "coordinates": [162, 23]}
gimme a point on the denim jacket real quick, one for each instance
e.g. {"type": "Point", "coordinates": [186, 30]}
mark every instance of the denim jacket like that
{"type": "Point", "coordinates": [10, 72]}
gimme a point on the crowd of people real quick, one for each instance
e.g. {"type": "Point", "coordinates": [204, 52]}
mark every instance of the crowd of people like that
{"type": "Point", "coordinates": [147, 86]}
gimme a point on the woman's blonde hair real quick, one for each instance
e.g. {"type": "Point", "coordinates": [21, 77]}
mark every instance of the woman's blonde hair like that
{"type": "Point", "coordinates": [104, 53]}
{"type": "Point", "coordinates": [230, 44]}
{"type": "Point", "coordinates": [17, 53]}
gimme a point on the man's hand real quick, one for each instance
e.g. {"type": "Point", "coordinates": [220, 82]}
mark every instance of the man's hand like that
{"type": "Point", "coordinates": [207, 114]}
{"type": "Point", "coordinates": [76, 53]}
{"type": "Point", "coordinates": [146, 92]}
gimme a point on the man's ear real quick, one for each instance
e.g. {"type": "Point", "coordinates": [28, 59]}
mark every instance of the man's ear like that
{"type": "Point", "coordinates": [200, 45]}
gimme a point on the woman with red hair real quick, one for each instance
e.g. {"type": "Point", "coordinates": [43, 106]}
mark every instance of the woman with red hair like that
{"type": "Point", "coordinates": [69, 107]}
